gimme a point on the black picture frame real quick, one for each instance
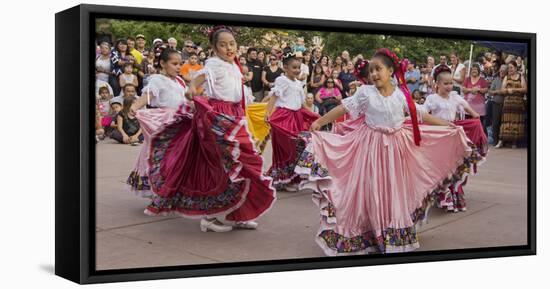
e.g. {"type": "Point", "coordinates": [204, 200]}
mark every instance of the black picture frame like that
{"type": "Point", "coordinates": [75, 156]}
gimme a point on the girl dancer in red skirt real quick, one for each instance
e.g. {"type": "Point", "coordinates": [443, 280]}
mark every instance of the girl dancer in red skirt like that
{"type": "Point", "coordinates": [289, 118]}
{"type": "Point", "coordinates": [204, 164]}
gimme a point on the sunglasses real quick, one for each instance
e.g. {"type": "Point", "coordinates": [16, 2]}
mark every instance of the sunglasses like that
{"type": "Point", "coordinates": [189, 46]}
{"type": "Point", "coordinates": [273, 59]}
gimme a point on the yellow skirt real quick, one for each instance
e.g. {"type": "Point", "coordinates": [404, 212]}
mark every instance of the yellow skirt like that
{"type": "Point", "coordinates": [259, 129]}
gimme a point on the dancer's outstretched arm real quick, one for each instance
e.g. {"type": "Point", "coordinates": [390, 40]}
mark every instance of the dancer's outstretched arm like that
{"type": "Point", "coordinates": [331, 116]}
{"type": "Point", "coordinates": [434, 120]}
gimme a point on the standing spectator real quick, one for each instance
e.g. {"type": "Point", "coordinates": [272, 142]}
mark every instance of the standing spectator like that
{"type": "Point", "coordinates": [346, 77]}
{"type": "Point", "coordinates": [317, 79]}
{"type": "Point", "coordinates": [412, 77]}
{"type": "Point", "coordinates": [188, 48]}
{"type": "Point", "coordinates": [424, 84]}
{"type": "Point", "coordinates": [148, 66]}
{"type": "Point", "coordinates": [157, 47]}
{"type": "Point", "coordinates": [430, 61]}
{"type": "Point", "coordinates": [103, 62]}
{"type": "Point", "coordinates": [128, 77]}
{"type": "Point", "coordinates": [458, 72]}
{"type": "Point", "coordinates": [307, 57]}
{"type": "Point", "coordinates": [442, 61]}
{"type": "Point", "coordinates": [270, 73]}
{"type": "Point", "coordinates": [497, 99]}
{"type": "Point", "coordinates": [345, 56]}
{"type": "Point", "coordinates": [474, 89]}
{"type": "Point", "coordinates": [255, 67]}
{"type": "Point", "coordinates": [261, 58]}
{"type": "Point", "coordinates": [521, 66]}
{"type": "Point", "coordinates": [140, 44]}
{"type": "Point", "coordinates": [337, 82]}
{"type": "Point", "coordinates": [304, 69]}
{"type": "Point", "coordinates": [173, 43]}
{"type": "Point", "coordinates": [324, 63]}
{"type": "Point", "coordinates": [120, 56]}
{"type": "Point", "coordinates": [512, 129]}
{"type": "Point", "coordinates": [138, 57]}
{"type": "Point", "coordinates": [338, 64]}
{"type": "Point", "coordinates": [316, 57]}
{"type": "Point", "coordinates": [188, 69]}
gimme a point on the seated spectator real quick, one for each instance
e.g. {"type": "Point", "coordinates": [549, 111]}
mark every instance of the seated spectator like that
{"type": "Point", "coordinates": [310, 103]}
{"type": "Point", "coordinates": [128, 128]}
{"type": "Point", "coordinates": [328, 96]}
{"type": "Point", "coordinates": [129, 90]}
{"type": "Point", "coordinates": [103, 106]}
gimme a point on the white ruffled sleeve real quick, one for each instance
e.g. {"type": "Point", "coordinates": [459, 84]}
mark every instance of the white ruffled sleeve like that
{"type": "Point", "coordinates": [152, 89]}
{"type": "Point", "coordinates": [357, 103]}
{"type": "Point", "coordinates": [429, 104]}
{"type": "Point", "coordinates": [209, 73]}
{"type": "Point", "coordinates": [279, 87]}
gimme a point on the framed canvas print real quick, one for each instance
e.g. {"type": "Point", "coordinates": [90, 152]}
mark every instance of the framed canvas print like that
{"type": "Point", "coordinates": [196, 144]}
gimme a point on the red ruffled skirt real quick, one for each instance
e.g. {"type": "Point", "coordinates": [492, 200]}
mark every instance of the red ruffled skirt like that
{"type": "Point", "coordinates": [286, 124]}
{"type": "Point", "coordinates": [205, 164]}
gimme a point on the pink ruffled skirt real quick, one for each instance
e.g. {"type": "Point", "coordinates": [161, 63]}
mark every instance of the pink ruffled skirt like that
{"type": "Point", "coordinates": [151, 121]}
{"type": "Point", "coordinates": [373, 185]}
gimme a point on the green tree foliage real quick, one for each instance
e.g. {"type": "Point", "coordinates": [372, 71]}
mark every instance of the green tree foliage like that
{"type": "Point", "coordinates": [414, 48]}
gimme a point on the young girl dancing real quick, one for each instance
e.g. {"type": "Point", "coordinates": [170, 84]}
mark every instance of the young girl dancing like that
{"type": "Point", "coordinates": [289, 118]}
{"type": "Point", "coordinates": [163, 94]}
{"type": "Point", "coordinates": [375, 181]}
{"type": "Point", "coordinates": [445, 104]}
{"type": "Point", "coordinates": [204, 164]}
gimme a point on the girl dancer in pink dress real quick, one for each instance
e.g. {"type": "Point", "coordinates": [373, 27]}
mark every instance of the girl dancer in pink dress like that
{"type": "Point", "coordinates": [164, 93]}
{"type": "Point", "coordinates": [289, 118]}
{"type": "Point", "coordinates": [446, 104]}
{"type": "Point", "coordinates": [204, 164]}
{"type": "Point", "coordinates": [374, 180]}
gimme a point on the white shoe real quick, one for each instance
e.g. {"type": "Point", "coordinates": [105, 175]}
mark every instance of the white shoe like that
{"type": "Point", "coordinates": [250, 225]}
{"type": "Point", "coordinates": [499, 144]}
{"type": "Point", "coordinates": [212, 226]}
{"type": "Point", "coordinates": [463, 209]}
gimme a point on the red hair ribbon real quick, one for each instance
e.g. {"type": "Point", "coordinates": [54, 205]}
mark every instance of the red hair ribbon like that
{"type": "Point", "coordinates": [399, 73]}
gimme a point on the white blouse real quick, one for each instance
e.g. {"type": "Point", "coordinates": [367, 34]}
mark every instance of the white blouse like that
{"type": "Point", "coordinates": [223, 80]}
{"type": "Point", "coordinates": [379, 111]}
{"type": "Point", "coordinates": [290, 93]}
{"type": "Point", "coordinates": [164, 91]}
{"type": "Point", "coordinates": [445, 108]}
